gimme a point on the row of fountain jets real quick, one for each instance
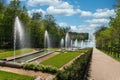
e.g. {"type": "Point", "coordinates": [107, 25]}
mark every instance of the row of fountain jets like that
{"type": "Point", "coordinates": [70, 44]}
{"type": "Point", "coordinates": [66, 43]}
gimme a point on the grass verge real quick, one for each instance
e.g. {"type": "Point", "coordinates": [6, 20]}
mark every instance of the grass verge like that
{"type": "Point", "coordinates": [13, 76]}
{"type": "Point", "coordinates": [18, 52]}
{"type": "Point", "coordinates": [116, 56]}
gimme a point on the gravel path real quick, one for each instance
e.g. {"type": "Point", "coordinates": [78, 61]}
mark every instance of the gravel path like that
{"type": "Point", "coordinates": [103, 67]}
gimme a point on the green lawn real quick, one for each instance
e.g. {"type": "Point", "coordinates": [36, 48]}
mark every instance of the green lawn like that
{"type": "Point", "coordinates": [60, 59]}
{"type": "Point", "coordinates": [12, 76]}
{"type": "Point", "coordinates": [18, 52]}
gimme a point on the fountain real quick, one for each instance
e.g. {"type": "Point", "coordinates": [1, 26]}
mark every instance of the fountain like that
{"type": "Point", "coordinates": [71, 44]}
{"type": "Point", "coordinates": [67, 41]}
{"type": "Point", "coordinates": [62, 43]}
{"type": "Point", "coordinates": [18, 35]}
{"type": "Point", "coordinates": [82, 44]}
{"type": "Point", "coordinates": [46, 40]}
{"type": "Point", "coordinates": [32, 56]}
{"type": "Point", "coordinates": [19, 39]}
{"type": "Point", "coordinates": [91, 40]}
{"type": "Point", "coordinates": [76, 43]}
{"type": "Point", "coordinates": [79, 44]}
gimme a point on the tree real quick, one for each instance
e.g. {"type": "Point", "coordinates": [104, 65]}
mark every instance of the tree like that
{"type": "Point", "coordinates": [37, 15]}
{"type": "Point", "coordinates": [15, 6]}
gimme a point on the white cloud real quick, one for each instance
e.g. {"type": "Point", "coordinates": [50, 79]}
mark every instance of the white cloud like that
{"type": "Point", "coordinates": [63, 24]}
{"type": "Point", "coordinates": [80, 28]}
{"type": "Point", "coordinates": [61, 11]}
{"type": "Point", "coordinates": [63, 5]}
{"type": "Point", "coordinates": [94, 25]}
{"type": "Point", "coordinates": [85, 13]}
{"type": "Point", "coordinates": [100, 18]}
{"type": "Point", "coordinates": [58, 7]}
{"type": "Point", "coordinates": [55, 7]}
{"type": "Point", "coordinates": [40, 2]}
{"type": "Point", "coordinates": [102, 13]}
{"type": "Point", "coordinates": [55, 3]}
{"type": "Point", "coordinates": [85, 28]}
{"type": "Point", "coordinates": [36, 10]}
{"type": "Point", "coordinates": [103, 21]}
{"type": "Point", "coordinates": [73, 28]}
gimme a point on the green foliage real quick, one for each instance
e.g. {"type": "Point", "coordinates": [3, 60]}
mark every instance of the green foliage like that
{"type": "Point", "coordinates": [7, 16]}
{"type": "Point", "coordinates": [39, 67]}
{"type": "Point", "coordinates": [108, 39]}
{"type": "Point", "coordinates": [60, 59]}
{"type": "Point", "coordinates": [18, 52]}
{"type": "Point", "coordinates": [12, 76]}
{"type": "Point", "coordinates": [77, 70]}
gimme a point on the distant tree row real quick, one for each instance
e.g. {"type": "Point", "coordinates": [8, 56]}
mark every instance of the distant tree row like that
{"type": "Point", "coordinates": [79, 36]}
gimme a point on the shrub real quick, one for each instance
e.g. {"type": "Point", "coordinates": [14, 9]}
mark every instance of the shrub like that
{"type": "Point", "coordinates": [50, 69]}
{"type": "Point", "coordinates": [39, 67]}
{"type": "Point", "coordinates": [30, 66]}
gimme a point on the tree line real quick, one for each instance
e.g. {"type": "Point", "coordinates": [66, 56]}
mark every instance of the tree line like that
{"type": "Point", "coordinates": [78, 36]}
{"type": "Point", "coordinates": [108, 38]}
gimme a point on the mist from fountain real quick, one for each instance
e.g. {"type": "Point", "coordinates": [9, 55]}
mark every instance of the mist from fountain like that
{"type": "Point", "coordinates": [67, 41]}
{"type": "Point", "coordinates": [71, 44]}
{"type": "Point", "coordinates": [47, 44]}
{"type": "Point", "coordinates": [18, 35]}
{"type": "Point", "coordinates": [82, 44]}
{"type": "Point", "coordinates": [76, 43]}
{"type": "Point", "coordinates": [91, 40]}
{"type": "Point", "coordinates": [62, 43]}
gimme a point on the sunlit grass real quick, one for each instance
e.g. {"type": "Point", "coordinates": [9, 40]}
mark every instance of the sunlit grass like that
{"type": "Point", "coordinates": [13, 76]}
{"type": "Point", "coordinates": [18, 52]}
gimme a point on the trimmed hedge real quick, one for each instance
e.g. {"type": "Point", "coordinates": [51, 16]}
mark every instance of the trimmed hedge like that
{"type": "Point", "coordinates": [77, 70]}
{"type": "Point", "coordinates": [39, 67]}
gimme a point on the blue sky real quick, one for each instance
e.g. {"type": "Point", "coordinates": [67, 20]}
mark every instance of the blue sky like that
{"type": "Point", "coordinates": [79, 15]}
